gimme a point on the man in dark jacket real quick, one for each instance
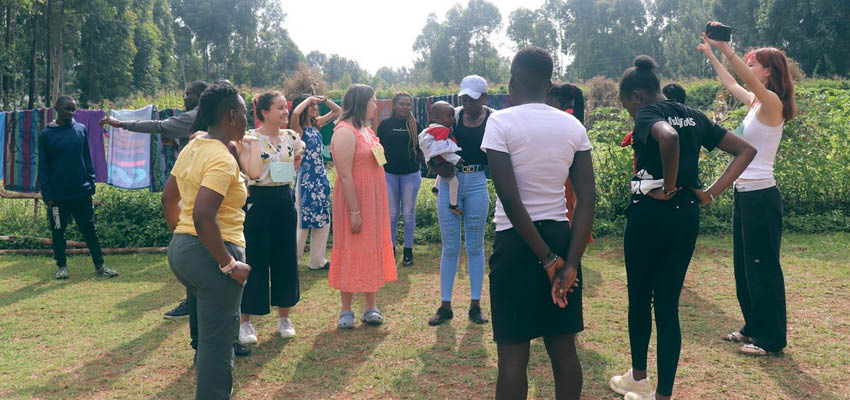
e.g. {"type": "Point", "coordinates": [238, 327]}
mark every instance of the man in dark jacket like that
{"type": "Point", "coordinates": [66, 180]}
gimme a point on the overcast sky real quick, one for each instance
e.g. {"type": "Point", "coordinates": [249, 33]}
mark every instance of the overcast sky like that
{"type": "Point", "coordinates": [376, 33]}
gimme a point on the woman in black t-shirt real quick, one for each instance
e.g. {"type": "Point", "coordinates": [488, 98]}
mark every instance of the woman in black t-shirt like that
{"type": "Point", "coordinates": [399, 136]}
{"type": "Point", "coordinates": [663, 218]}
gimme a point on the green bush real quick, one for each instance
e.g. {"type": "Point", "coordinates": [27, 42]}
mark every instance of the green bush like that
{"type": "Point", "coordinates": [702, 94]}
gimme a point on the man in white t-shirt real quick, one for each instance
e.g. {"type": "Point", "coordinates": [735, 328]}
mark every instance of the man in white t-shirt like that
{"type": "Point", "coordinates": [535, 270]}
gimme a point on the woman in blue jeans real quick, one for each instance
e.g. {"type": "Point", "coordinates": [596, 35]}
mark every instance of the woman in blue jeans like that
{"type": "Point", "coordinates": [398, 135]}
{"type": "Point", "coordinates": [473, 199]}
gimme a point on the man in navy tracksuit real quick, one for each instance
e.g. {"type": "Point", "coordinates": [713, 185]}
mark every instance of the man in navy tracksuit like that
{"type": "Point", "coordinates": [66, 179]}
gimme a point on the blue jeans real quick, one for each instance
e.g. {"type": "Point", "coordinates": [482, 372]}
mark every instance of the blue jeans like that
{"type": "Point", "coordinates": [474, 201]}
{"type": "Point", "coordinates": [401, 193]}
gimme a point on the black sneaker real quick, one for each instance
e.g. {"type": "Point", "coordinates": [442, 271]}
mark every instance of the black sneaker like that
{"type": "Point", "coordinates": [475, 315]}
{"type": "Point", "coordinates": [442, 315]}
{"type": "Point", "coordinates": [105, 272]}
{"type": "Point", "coordinates": [240, 350]}
{"type": "Point", "coordinates": [407, 259]}
{"type": "Point", "coordinates": [181, 311]}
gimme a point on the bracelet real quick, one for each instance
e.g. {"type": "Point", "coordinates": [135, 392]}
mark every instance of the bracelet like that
{"type": "Point", "coordinates": [710, 195]}
{"type": "Point", "coordinates": [228, 269]}
{"type": "Point", "coordinates": [670, 193]}
{"type": "Point", "coordinates": [549, 261]}
{"type": "Point", "coordinates": [354, 212]}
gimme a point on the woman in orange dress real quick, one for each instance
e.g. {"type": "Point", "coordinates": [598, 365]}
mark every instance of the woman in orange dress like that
{"type": "Point", "coordinates": [362, 258]}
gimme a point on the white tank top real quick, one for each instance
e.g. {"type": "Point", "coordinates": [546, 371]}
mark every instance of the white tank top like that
{"type": "Point", "coordinates": [765, 139]}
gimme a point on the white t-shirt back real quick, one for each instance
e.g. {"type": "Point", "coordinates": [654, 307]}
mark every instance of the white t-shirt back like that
{"type": "Point", "coordinates": [542, 142]}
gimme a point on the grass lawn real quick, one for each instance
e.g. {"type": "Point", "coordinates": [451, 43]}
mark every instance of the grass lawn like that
{"type": "Point", "coordinates": [106, 339]}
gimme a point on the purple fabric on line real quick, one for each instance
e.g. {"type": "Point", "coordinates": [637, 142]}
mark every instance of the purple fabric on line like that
{"type": "Point", "coordinates": [90, 119]}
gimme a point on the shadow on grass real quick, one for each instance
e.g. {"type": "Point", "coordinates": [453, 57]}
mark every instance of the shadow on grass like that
{"type": "Point", "coordinates": [332, 362]}
{"type": "Point", "coordinates": [46, 282]}
{"type": "Point", "coordinates": [100, 374]}
{"type": "Point", "coordinates": [782, 368]}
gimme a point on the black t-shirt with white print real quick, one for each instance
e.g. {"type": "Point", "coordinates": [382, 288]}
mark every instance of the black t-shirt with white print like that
{"type": "Point", "coordinates": [695, 130]}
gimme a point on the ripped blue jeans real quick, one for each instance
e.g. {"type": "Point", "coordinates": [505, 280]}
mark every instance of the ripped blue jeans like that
{"type": "Point", "coordinates": [474, 202]}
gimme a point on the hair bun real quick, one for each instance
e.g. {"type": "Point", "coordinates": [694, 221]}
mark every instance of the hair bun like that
{"type": "Point", "coordinates": [645, 62]}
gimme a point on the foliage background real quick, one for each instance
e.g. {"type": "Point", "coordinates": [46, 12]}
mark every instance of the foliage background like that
{"type": "Point", "coordinates": [812, 170]}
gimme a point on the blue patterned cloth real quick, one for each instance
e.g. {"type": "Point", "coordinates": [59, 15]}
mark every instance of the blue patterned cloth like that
{"type": "Point", "coordinates": [314, 189]}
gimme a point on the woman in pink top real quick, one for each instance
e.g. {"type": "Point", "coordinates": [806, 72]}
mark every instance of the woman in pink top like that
{"type": "Point", "coordinates": [362, 255]}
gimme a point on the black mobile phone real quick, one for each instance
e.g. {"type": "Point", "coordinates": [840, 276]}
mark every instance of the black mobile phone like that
{"type": "Point", "coordinates": [718, 32]}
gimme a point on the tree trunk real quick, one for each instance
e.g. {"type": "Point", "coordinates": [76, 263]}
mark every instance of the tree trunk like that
{"type": "Point", "coordinates": [7, 72]}
{"type": "Point", "coordinates": [58, 88]}
{"type": "Point", "coordinates": [48, 50]}
{"type": "Point", "coordinates": [33, 48]}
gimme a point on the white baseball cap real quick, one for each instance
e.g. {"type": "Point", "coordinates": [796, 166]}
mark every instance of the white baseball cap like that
{"type": "Point", "coordinates": [473, 86]}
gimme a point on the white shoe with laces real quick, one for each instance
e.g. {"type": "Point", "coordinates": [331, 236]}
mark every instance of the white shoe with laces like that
{"type": "Point", "coordinates": [627, 385]}
{"type": "Point", "coordinates": [247, 334]}
{"type": "Point", "coordinates": [284, 326]}
{"type": "Point", "coordinates": [636, 396]}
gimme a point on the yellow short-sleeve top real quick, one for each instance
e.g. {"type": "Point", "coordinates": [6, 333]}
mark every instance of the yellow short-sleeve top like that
{"type": "Point", "coordinates": [207, 162]}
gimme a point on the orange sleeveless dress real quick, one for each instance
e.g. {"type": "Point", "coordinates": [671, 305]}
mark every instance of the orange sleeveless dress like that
{"type": "Point", "coordinates": [362, 262]}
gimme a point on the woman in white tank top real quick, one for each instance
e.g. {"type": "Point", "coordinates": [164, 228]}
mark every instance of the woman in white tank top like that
{"type": "Point", "coordinates": [757, 214]}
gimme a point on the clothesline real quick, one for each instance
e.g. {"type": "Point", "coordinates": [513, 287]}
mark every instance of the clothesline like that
{"type": "Point", "coordinates": [138, 160]}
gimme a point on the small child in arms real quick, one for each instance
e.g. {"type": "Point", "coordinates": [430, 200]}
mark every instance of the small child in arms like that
{"type": "Point", "coordinates": [437, 143]}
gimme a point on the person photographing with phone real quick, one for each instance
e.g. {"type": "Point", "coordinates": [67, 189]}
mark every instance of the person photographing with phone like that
{"type": "Point", "coordinates": [757, 203]}
{"type": "Point", "coordinates": [662, 219]}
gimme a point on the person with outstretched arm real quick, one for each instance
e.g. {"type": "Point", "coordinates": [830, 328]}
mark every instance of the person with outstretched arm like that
{"type": "Point", "coordinates": [176, 128]}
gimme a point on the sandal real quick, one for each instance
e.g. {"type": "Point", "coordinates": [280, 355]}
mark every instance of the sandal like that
{"type": "Point", "coordinates": [346, 320]}
{"type": "Point", "coordinates": [753, 350]}
{"type": "Point", "coordinates": [737, 337]}
{"type": "Point", "coordinates": [373, 317]}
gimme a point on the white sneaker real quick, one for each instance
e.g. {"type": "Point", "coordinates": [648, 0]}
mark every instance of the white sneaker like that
{"type": "Point", "coordinates": [636, 396]}
{"type": "Point", "coordinates": [627, 385]}
{"type": "Point", "coordinates": [284, 325]}
{"type": "Point", "coordinates": [247, 334]}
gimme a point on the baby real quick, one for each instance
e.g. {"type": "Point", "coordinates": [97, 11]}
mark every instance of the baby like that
{"type": "Point", "coordinates": [437, 143]}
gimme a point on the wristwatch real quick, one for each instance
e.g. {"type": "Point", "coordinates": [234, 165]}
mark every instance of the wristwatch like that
{"type": "Point", "coordinates": [228, 269]}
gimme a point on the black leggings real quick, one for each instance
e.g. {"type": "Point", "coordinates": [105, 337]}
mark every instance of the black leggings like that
{"type": "Point", "coordinates": [659, 242]}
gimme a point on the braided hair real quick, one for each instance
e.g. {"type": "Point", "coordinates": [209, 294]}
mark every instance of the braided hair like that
{"type": "Point", "coordinates": [413, 146]}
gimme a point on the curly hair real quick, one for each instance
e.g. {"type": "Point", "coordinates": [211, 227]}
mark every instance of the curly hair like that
{"type": "Point", "coordinates": [217, 100]}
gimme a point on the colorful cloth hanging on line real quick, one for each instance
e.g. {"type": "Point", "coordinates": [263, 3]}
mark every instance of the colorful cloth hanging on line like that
{"type": "Point", "coordinates": [163, 153]}
{"type": "Point", "coordinates": [20, 148]}
{"type": "Point", "coordinates": [97, 148]}
{"type": "Point", "coordinates": [129, 152]}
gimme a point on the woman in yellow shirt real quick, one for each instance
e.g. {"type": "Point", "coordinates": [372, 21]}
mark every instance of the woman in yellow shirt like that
{"type": "Point", "coordinates": [207, 251]}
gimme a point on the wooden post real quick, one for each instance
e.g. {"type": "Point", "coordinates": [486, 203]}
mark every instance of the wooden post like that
{"type": "Point", "coordinates": [34, 212]}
